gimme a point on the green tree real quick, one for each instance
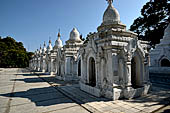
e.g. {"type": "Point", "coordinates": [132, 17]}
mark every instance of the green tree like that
{"type": "Point", "coordinates": [13, 54]}
{"type": "Point", "coordinates": [155, 16]}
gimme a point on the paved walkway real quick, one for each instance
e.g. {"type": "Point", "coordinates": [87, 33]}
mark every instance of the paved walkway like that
{"type": "Point", "coordinates": [157, 101]}
{"type": "Point", "coordinates": [22, 92]}
{"type": "Point", "coordinates": [25, 92]}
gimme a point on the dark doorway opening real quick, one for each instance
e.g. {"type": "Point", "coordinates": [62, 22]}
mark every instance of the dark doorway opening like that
{"type": "Point", "coordinates": [135, 74]}
{"type": "Point", "coordinates": [165, 63]}
{"type": "Point", "coordinates": [79, 68]}
{"type": "Point", "coordinates": [92, 72]}
{"type": "Point", "coordinates": [59, 70]}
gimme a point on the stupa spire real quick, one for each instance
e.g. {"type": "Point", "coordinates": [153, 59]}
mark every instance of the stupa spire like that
{"type": "Point", "coordinates": [109, 1]}
{"type": "Point", "coordinates": [58, 42]}
{"type": "Point", "coordinates": [59, 35]}
{"type": "Point", "coordinates": [49, 40]}
{"type": "Point", "coordinates": [44, 44]}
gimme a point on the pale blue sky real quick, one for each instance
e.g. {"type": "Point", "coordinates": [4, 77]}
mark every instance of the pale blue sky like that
{"type": "Point", "coordinates": [33, 21]}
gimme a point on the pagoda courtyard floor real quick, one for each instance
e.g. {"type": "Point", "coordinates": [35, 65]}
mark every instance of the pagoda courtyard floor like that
{"type": "Point", "coordinates": [22, 91]}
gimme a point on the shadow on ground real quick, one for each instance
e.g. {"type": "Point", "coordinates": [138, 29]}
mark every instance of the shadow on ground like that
{"type": "Point", "coordinates": [156, 97]}
{"type": "Point", "coordinates": [166, 111]}
{"type": "Point", "coordinates": [44, 78]}
{"type": "Point", "coordinates": [45, 96]}
{"type": "Point", "coordinates": [54, 94]}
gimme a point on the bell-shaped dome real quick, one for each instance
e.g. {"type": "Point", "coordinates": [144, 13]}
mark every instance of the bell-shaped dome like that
{"type": "Point", "coordinates": [58, 42]}
{"type": "Point", "coordinates": [74, 35]}
{"type": "Point", "coordinates": [49, 48]}
{"type": "Point", "coordinates": [40, 51]}
{"type": "Point", "coordinates": [111, 15]}
{"type": "Point", "coordinates": [44, 49]}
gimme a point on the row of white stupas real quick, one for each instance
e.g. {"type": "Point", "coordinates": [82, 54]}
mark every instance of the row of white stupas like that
{"type": "Point", "coordinates": [47, 59]}
{"type": "Point", "coordinates": [113, 63]}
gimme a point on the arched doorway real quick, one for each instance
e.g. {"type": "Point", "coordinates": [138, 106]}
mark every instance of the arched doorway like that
{"type": "Point", "coordinates": [79, 68]}
{"type": "Point", "coordinates": [165, 63]}
{"type": "Point", "coordinates": [53, 67]}
{"type": "Point", "coordinates": [136, 72]}
{"type": "Point", "coordinates": [47, 66]}
{"type": "Point", "coordinates": [133, 72]}
{"type": "Point", "coordinates": [59, 69]}
{"type": "Point", "coordinates": [92, 72]}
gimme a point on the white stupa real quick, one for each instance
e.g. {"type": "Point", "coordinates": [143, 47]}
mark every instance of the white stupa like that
{"type": "Point", "coordinates": [160, 56]}
{"type": "Point", "coordinates": [49, 47]}
{"type": "Point", "coordinates": [58, 42]}
{"type": "Point", "coordinates": [74, 36]}
{"type": "Point", "coordinates": [44, 49]}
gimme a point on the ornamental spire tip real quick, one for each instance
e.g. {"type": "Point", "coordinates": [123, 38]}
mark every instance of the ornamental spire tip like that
{"type": "Point", "coordinates": [44, 44]}
{"type": "Point", "coordinates": [59, 33]}
{"type": "Point", "coordinates": [49, 39]}
{"type": "Point", "coordinates": [109, 1]}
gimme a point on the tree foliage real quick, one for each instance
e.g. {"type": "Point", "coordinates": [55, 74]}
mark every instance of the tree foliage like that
{"type": "Point", "coordinates": [155, 16]}
{"type": "Point", "coordinates": [13, 54]}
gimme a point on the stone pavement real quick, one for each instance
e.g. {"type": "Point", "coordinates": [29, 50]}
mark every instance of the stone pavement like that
{"type": "Point", "coordinates": [22, 92]}
{"type": "Point", "coordinates": [153, 102]}
{"type": "Point", "coordinates": [25, 92]}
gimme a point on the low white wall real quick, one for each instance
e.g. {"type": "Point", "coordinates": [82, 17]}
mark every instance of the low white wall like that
{"type": "Point", "coordinates": [92, 90]}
